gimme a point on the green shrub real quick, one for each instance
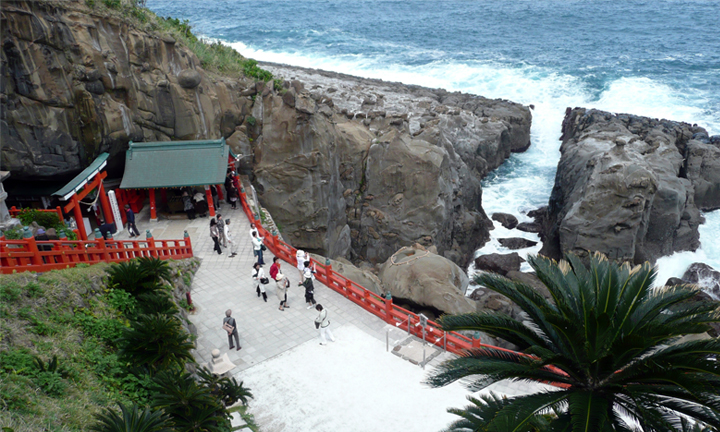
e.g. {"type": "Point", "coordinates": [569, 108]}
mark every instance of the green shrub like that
{"type": "Point", "coordinates": [122, 301]}
{"type": "Point", "coordinates": [250, 120]}
{"type": "Point", "coordinates": [9, 292]}
{"type": "Point", "coordinates": [33, 290]}
{"type": "Point", "coordinates": [106, 329]}
{"type": "Point", "coordinates": [43, 218]}
{"type": "Point", "coordinates": [17, 361]}
{"type": "Point", "coordinates": [14, 233]}
{"type": "Point", "coordinates": [156, 341]}
{"type": "Point", "coordinates": [90, 3]}
{"type": "Point", "coordinates": [112, 4]}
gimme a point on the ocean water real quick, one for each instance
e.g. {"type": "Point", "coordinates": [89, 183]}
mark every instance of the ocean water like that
{"type": "Point", "coordinates": [652, 58]}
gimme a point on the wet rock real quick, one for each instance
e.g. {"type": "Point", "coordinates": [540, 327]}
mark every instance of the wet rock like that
{"type": "Point", "coordinates": [507, 220]}
{"type": "Point", "coordinates": [499, 263]}
{"type": "Point", "coordinates": [705, 277]}
{"type": "Point", "coordinates": [514, 243]}
{"type": "Point", "coordinates": [530, 227]}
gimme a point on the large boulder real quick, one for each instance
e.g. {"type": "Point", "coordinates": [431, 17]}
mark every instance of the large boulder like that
{"type": "Point", "coordinates": [499, 263]}
{"type": "Point", "coordinates": [427, 279]}
{"type": "Point", "coordinates": [623, 187]}
{"type": "Point", "coordinates": [189, 79]}
{"type": "Point", "coordinates": [705, 277]}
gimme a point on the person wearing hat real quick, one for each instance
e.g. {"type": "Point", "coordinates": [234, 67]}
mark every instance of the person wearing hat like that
{"type": "Point", "coordinates": [132, 229]}
{"type": "Point", "coordinates": [283, 284]}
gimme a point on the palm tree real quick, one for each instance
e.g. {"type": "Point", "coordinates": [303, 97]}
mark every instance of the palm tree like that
{"type": "Point", "coordinates": [226, 388]}
{"type": "Point", "coordinates": [139, 276]}
{"type": "Point", "coordinates": [131, 419]}
{"type": "Point", "coordinates": [158, 341]}
{"type": "Point", "coordinates": [610, 342]}
{"type": "Point", "coordinates": [191, 406]}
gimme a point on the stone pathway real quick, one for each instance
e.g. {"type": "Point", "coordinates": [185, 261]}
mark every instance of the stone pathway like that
{"type": "Point", "coordinates": [268, 335]}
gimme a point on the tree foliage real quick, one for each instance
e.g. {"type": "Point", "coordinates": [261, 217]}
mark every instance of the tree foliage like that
{"type": "Point", "coordinates": [610, 342]}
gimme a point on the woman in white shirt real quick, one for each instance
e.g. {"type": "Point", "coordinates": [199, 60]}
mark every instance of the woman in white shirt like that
{"type": "Point", "coordinates": [258, 274]}
{"type": "Point", "coordinates": [257, 247]}
{"type": "Point", "coordinates": [301, 256]}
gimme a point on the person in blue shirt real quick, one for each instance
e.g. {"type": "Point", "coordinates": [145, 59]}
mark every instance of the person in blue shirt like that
{"type": "Point", "coordinates": [132, 229]}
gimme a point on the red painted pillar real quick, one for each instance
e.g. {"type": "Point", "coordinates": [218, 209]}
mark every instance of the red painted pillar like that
{"type": "Point", "coordinates": [60, 214]}
{"type": "Point", "coordinates": [105, 203]}
{"type": "Point", "coordinates": [32, 247]}
{"type": "Point", "coordinates": [79, 218]}
{"type": "Point", "coordinates": [389, 308]}
{"type": "Point", "coordinates": [151, 243]}
{"type": "Point", "coordinates": [188, 244]}
{"type": "Point", "coordinates": [153, 211]}
{"type": "Point", "coordinates": [208, 197]}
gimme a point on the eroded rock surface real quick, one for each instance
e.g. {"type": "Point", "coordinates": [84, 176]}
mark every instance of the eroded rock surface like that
{"type": "Point", "coordinates": [624, 187]}
{"type": "Point", "coordinates": [427, 279]}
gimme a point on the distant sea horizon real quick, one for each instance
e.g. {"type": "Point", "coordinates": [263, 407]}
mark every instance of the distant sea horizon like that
{"type": "Point", "coordinates": [658, 59]}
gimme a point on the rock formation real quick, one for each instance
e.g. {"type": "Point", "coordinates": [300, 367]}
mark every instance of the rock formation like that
{"type": "Point", "coordinates": [349, 168]}
{"type": "Point", "coordinates": [501, 264]}
{"type": "Point", "coordinates": [367, 166]}
{"type": "Point", "coordinates": [76, 84]}
{"type": "Point", "coordinates": [427, 279]}
{"type": "Point", "coordinates": [705, 277]}
{"type": "Point", "coordinates": [630, 187]}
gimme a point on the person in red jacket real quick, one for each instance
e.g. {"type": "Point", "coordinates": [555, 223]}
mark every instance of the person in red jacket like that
{"type": "Point", "coordinates": [275, 268]}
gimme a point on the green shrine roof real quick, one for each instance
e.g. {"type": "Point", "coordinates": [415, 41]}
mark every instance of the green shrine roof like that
{"type": "Point", "coordinates": [175, 163]}
{"type": "Point", "coordinates": [81, 179]}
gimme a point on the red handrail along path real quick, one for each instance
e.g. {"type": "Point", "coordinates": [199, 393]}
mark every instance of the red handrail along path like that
{"type": "Point", "coordinates": [373, 303]}
{"type": "Point", "coordinates": [368, 300]}
{"type": "Point", "coordinates": [29, 254]}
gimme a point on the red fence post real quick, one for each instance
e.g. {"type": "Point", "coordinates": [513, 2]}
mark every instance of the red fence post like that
{"type": "Point", "coordinates": [389, 308]}
{"type": "Point", "coordinates": [32, 246]}
{"type": "Point", "coordinates": [476, 340]}
{"type": "Point", "coordinates": [151, 243]}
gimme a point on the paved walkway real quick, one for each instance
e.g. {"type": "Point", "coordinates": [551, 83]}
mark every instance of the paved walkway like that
{"type": "Point", "coordinates": [280, 339]}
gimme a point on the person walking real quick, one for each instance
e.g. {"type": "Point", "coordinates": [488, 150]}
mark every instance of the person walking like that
{"type": "Point", "coordinates": [221, 228]}
{"type": "Point", "coordinates": [322, 323]}
{"type": "Point", "coordinates": [215, 235]}
{"type": "Point", "coordinates": [301, 257]}
{"type": "Point", "coordinates": [230, 326]}
{"type": "Point", "coordinates": [308, 276]}
{"type": "Point", "coordinates": [258, 276]}
{"type": "Point", "coordinates": [231, 241]}
{"type": "Point", "coordinates": [132, 229]}
{"type": "Point", "coordinates": [283, 284]}
{"type": "Point", "coordinates": [258, 246]}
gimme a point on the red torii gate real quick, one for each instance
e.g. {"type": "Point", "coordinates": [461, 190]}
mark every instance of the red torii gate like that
{"type": "Point", "coordinates": [89, 179]}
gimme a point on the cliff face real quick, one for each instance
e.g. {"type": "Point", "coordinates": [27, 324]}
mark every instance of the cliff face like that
{"type": "Point", "coordinates": [631, 187]}
{"type": "Point", "coordinates": [351, 167]}
{"type": "Point", "coordinates": [76, 84]}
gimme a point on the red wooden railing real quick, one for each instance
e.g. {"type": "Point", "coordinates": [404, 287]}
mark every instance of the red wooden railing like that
{"type": "Point", "coordinates": [368, 300]}
{"type": "Point", "coordinates": [373, 303]}
{"type": "Point", "coordinates": [40, 256]}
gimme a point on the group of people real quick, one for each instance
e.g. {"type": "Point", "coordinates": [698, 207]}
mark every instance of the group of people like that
{"type": "Point", "coordinates": [282, 283]}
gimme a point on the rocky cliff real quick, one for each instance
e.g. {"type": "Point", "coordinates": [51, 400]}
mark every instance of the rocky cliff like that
{"type": "Point", "coordinates": [347, 167]}
{"type": "Point", "coordinates": [375, 166]}
{"type": "Point", "coordinates": [631, 187]}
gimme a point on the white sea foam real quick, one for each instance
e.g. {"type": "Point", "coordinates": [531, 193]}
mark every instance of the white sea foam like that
{"type": "Point", "coordinates": [525, 182]}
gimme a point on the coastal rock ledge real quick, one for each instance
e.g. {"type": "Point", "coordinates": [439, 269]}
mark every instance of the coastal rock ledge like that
{"type": "Point", "coordinates": [630, 187]}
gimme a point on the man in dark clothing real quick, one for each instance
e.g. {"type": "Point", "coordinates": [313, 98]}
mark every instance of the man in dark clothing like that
{"type": "Point", "coordinates": [234, 334]}
{"type": "Point", "coordinates": [132, 229]}
{"type": "Point", "coordinates": [106, 229]}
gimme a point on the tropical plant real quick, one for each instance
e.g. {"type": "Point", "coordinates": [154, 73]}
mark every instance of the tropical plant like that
{"type": "Point", "coordinates": [131, 419]}
{"type": "Point", "coordinates": [191, 406]}
{"type": "Point", "coordinates": [139, 276]}
{"type": "Point", "coordinates": [157, 341]}
{"type": "Point", "coordinates": [227, 389]}
{"type": "Point", "coordinates": [156, 302]}
{"type": "Point", "coordinates": [611, 342]}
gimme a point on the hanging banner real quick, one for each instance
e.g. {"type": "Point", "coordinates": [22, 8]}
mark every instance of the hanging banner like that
{"type": "Point", "coordinates": [116, 212]}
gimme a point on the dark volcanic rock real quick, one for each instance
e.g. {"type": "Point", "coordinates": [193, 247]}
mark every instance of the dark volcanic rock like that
{"type": "Point", "coordinates": [189, 79]}
{"type": "Point", "coordinates": [675, 281]}
{"type": "Point", "coordinates": [623, 187]}
{"type": "Point", "coordinates": [705, 277]}
{"type": "Point", "coordinates": [507, 220]}
{"type": "Point", "coordinates": [531, 227]}
{"type": "Point", "coordinates": [514, 243]}
{"type": "Point", "coordinates": [499, 263]}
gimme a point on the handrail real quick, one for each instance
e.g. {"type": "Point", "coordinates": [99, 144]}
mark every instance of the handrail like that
{"type": "Point", "coordinates": [40, 256]}
{"type": "Point", "coordinates": [373, 303]}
